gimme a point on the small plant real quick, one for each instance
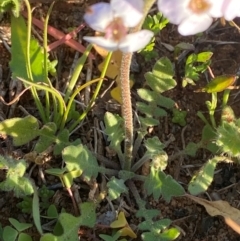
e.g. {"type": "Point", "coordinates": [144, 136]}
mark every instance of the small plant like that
{"type": "Point", "coordinates": [11, 234]}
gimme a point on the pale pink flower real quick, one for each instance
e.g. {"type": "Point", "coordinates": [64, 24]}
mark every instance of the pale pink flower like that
{"type": "Point", "coordinates": [114, 19]}
{"type": "Point", "coordinates": [231, 9]}
{"type": "Point", "coordinates": [191, 16]}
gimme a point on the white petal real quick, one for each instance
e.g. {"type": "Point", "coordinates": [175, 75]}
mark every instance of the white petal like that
{"type": "Point", "coordinates": [98, 16]}
{"type": "Point", "coordinates": [195, 24]}
{"type": "Point", "coordinates": [231, 9]}
{"type": "Point", "coordinates": [102, 42]}
{"type": "Point", "coordinates": [136, 41]}
{"type": "Point", "coordinates": [174, 10]}
{"type": "Point", "coordinates": [131, 11]}
{"type": "Point", "coordinates": [216, 8]}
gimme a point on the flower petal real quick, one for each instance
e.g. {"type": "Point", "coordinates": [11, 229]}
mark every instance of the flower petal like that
{"type": "Point", "coordinates": [195, 24]}
{"type": "Point", "coordinates": [216, 8]}
{"type": "Point", "coordinates": [98, 16]}
{"type": "Point", "coordinates": [174, 10]}
{"type": "Point", "coordinates": [102, 42]}
{"type": "Point", "coordinates": [131, 11]}
{"type": "Point", "coordinates": [135, 41]}
{"type": "Point", "coordinates": [231, 9]}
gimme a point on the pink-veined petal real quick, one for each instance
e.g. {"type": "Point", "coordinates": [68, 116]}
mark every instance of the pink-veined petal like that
{"type": "Point", "coordinates": [136, 41]}
{"type": "Point", "coordinates": [107, 44]}
{"type": "Point", "coordinates": [131, 11]}
{"type": "Point", "coordinates": [174, 10]}
{"type": "Point", "coordinates": [98, 16]}
{"type": "Point", "coordinates": [231, 9]}
{"type": "Point", "coordinates": [195, 24]}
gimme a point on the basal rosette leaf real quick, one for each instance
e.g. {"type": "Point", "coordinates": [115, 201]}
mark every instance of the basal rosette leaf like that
{"type": "Point", "coordinates": [114, 130]}
{"type": "Point", "coordinates": [80, 158]}
{"type": "Point", "coordinates": [159, 184]}
{"type": "Point", "coordinates": [15, 180]}
{"type": "Point", "coordinates": [161, 77]}
{"type": "Point", "coordinates": [202, 180]}
{"type": "Point", "coordinates": [71, 224]}
{"type": "Point", "coordinates": [116, 187]}
{"type": "Point", "coordinates": [228, 138]}
{"type": "Point", "coordinates": [22, 130]}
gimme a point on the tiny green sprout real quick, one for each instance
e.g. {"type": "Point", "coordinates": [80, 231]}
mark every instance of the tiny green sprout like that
{"type": "Point", "coordinates": [25, 205]}
{"type": "Point", "coordinates": [179, 117]}
{"type": "Point", "coordinates": [44, 193]}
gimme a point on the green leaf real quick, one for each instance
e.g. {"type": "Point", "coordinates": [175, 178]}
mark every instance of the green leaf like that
{"type": "Point", "coordinates": [156, 153]}
{"type": "Point", "coordinates": [13, 5]}
{"type": "Point", "coordinates": [151, 110]}
{"type": "Point", "coordinates": [228, 138]}
{"type": "Point", "coordinates": [19, 226]}
{"type": "Point", "coordinates": [156, 226]}
{"type": "Point", "coordinates": [9, 234]}
{"type": "Point", "coordinates": [114, 130]}
{"type": "Point", "coordinates": [36, 211]}
{"type": "Point", "coordinates": [191, 149]}
{"type": "Point", "coordinates": [209, 136]}
{"type": "Point", "coordinates": [151, 96]}
{"type": "Point", "coordinates": [71, 224]}
{"type": "Point", "coordinates": [22, 130]}
{"type": "Point", "coordinates": [47, 137]}
{"type": "Point", "coordinates": [62, 141]}
{"type": "Point", "coordinates": [19, 53]}
{"type": "Point", "coordinates": [52, 211]}
{"type": "Point", "coordinates": [15, 180]}
{"type": "Point", "coordinates": [24, 237]}
{"type": "Point", "coordinates": [220, 83]}
{"type": "Point", "coordinates": [161, 78]}
{"type": "Point", "coordinates": [148, 121]}
{"type": "Point", "coordinates": [158, 183]}
{"type": "Point", "coordinates": [115, 188]}
{"type": "Point", "coordinates": [110, 238]}
{"type": "Point", "coordinates": [202, 180]}
{"type": "Point", "coordinates": [168, 235]}
{"type": "Point", "coordinates": [80, 158]}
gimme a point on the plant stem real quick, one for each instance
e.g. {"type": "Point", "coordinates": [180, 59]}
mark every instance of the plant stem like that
{"type": "Point", "coordinates": [126, 96]}
{"type": "Point", "coordinates": [33, 90]}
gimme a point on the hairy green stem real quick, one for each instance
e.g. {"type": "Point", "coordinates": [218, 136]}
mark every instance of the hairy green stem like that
{"type": "Point", "coordinates": [126, 96]}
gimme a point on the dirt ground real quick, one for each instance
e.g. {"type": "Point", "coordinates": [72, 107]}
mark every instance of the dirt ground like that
{"type": "Point", "coordinates": [192, 219]}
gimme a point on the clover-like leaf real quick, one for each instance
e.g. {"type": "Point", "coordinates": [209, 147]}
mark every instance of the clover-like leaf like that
{"type": "Point", "coordinates": [167, 235]}
{"type": "Point", "coordinates": [71, 224]}
{"type": "Point", "coordinates": [80, 158]}
{"type": "Point", "coordinates": [19, 226]}
{"type": "Point", "coordinates": [22, 130]}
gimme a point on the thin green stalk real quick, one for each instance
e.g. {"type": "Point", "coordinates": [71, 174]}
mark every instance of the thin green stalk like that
{"type": "Point", "coordinates": [212, 109]}
{"type": "Point", "coordinates": [226, 95]}
{"type": "Point", "coordinates": [83, 115]}
{"type": "Point", "coordinates": [80, 88]}
{"type": "Point", "coordinates": [46, 80]}
{"type": "Point", "coordinates": [33, 90]}
{"type": "Point", "coordinates": [53, 91]}
{"type": "Point", "coordinates": [126, 96]}
{"type": "Point", "coordinates": [77, 71]}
